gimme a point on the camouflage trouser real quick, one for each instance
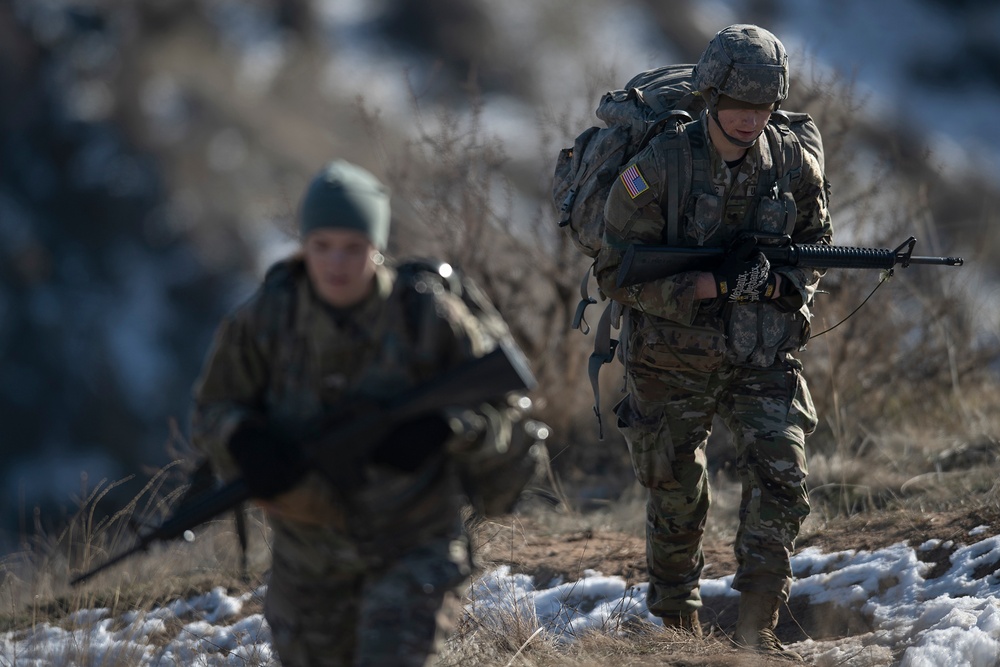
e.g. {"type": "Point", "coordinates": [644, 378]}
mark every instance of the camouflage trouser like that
{"type": "Point", "coordinates": [666, 420]}
{"type": "Point", "coordinates": [394, 616]}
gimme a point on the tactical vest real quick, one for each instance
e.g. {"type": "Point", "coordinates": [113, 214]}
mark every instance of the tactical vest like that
{"type": "Point", "coordinates": [694, 211]}
{"type": "Point", "coordinates": [695, 214]}
{"type": "Point", "coordinates": [699, 212]}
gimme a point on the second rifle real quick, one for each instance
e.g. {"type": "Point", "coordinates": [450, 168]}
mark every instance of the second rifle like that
{"type": "Point", "coordinates": [337, 451]}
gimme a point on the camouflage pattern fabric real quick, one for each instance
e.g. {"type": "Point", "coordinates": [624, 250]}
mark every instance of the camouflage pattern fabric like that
{"type": "Point", "coordinates": [352, 614]}
{"type": "Point", "coordinates": [666, 425]}
{"type": "Point", "coordinates": [640, 219]}
{"type": "Point", "coordinates": [389, 557]}
{"type": "Point", "coordinates": [745, 62]}
{"type": "Point", "coordinates": [688, 359]}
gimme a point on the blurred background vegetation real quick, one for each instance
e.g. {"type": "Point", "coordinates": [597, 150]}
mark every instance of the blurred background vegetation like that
{"type": "Point", "coordinates": [152, 154]}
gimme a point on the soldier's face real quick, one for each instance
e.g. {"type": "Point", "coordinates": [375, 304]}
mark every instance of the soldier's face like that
{"type": "Point", "coordinates": [341, 265]}
{"type": "Point", "coordinates": [744, 123]}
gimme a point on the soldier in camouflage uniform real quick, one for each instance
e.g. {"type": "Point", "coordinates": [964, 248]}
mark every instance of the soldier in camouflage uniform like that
{"type": "Point", "coordinates": [368, 573]}
{"type": "Point", "coordinates": [701, 343]}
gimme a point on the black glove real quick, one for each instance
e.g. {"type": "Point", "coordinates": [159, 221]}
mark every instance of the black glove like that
{"type": "Point", "coordinates": [745, 274]}
{"type": "Point", "coordinates": [413, 442]}
{"type": "Point", "coordinates": [269, 465]}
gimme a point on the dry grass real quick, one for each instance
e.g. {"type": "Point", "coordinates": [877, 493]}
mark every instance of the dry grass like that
{"type": "Point", "coordinates": [541, 541]}
{"type": "Point", "coordinates": [639, 644]}
{"type": "Point", "coordinates": [35, 585]}
{"type": "Point", "coordinates": [36, 597]}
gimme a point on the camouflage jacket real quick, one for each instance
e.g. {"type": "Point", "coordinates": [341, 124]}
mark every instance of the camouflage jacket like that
{"type": "Point", "coordinates": [289, 357]}
{"type": "Point", "coordinates": [668, 327]}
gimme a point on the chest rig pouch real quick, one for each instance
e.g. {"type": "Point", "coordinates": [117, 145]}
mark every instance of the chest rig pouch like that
{"type": "Point", "coordinates": [776, 212]}
{"type": "Point", "coordinates": [759, 202]}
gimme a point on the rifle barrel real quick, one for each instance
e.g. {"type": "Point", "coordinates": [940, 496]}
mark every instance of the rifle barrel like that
{"type": "Point", "coordinates": [940, 261]}
{"type": "Point", "coordinates": [642, 263]}
{"type": "Point", "coordinates": [845, 257]}
{"type": "Point", "coordinates": [200, 510]}
{"type": "Point", "coordinates": [114, 560]}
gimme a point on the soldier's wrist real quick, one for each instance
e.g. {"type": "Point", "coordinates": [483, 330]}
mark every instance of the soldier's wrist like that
{"type": "Point", "coordinates": [705, 286]}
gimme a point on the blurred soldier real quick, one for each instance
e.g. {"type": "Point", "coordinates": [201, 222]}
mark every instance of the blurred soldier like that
{"type": "Point", "coordinates": [699, 343]}
{"type": "Point", "coordinates": [368, 572]}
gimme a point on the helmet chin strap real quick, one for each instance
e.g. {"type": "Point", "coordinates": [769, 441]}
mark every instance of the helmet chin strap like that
{"type": "Point", "coordinates": [713, 111]}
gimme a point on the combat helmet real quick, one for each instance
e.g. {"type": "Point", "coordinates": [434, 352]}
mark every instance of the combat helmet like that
{"type": "Point", "coordinates": [746, 63]}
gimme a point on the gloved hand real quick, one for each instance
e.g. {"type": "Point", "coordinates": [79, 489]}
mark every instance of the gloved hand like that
{"type": "Point", "coordinates": [413, 442]}
{"type": "Point", "coordinates": [269, 465]}
{"type": "Point", "coordinates": [745, 274]}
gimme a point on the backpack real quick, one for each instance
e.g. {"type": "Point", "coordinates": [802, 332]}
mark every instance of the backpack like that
{"type": "Point", "coordinates": [652, 102]}
{"type": "Point", "coordinates": [584, 172]}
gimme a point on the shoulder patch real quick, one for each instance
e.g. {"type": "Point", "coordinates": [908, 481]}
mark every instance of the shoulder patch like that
{"type": "Point", "coordinates": [633, 181]}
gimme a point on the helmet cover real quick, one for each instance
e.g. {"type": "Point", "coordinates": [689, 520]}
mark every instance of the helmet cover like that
{"type": "Point", "coordinates": [744, 62]}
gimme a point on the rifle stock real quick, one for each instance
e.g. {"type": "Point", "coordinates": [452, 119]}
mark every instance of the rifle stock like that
{"type": "Point", "coordinates": [482, 379]}
{"type": "Point", "coordinates": [643, 263]}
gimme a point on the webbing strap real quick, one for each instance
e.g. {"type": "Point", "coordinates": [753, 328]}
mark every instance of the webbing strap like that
{"type": "Point", "coordinates": [700, 162]}
{"type": "Point", "coordinates": [786, 155]}
{"type": "Point", "coordinates": [604, 352]}
{"type": "Point", "coordinates": [604, 346]}
{"type": "Point", "coordinates": [673, 201]}
{"type": "Point", "coordinates": [585, 300]}
{"type": "Point", "coordinates": [776, 142]}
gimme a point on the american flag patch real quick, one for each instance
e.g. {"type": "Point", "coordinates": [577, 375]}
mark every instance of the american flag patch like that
{"type": "Point", "coordinates": [634, 182]}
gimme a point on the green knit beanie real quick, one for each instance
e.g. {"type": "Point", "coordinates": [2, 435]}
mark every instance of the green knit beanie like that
{"type": "Point", "coordinates": [345, 196]}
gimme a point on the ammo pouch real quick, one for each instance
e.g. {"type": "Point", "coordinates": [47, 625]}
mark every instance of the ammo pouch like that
{"type": "Point", "coordinates": [776, 214]}
{"type": "Point", "coordinates": [758, 333]}
{"type": "Point", "coordinates": [707, 218]}
{"type": "Point", "coordinates": [668, 346]}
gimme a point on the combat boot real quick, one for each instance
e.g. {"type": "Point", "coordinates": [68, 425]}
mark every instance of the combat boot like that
{"type": "Point", "coordinates": [755, 627]}
{"type": "Point", "coordinates": [686, 622]}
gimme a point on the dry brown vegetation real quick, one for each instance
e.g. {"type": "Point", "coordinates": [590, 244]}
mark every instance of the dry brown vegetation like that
{"type": "Point", "coordinates": [548, 542]}
{"type": "Point", "coordinates": [909, 442]}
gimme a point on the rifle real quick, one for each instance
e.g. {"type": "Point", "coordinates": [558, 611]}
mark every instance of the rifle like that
{"type": "Point", "coordinates": [643, 263]}
{"type": "Point", "coordinates": [485, 378]}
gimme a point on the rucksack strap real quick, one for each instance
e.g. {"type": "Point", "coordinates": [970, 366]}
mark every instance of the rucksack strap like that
{"type": "Point", "coordinates": [786, 154]}
{"type": "Point", "coordinates": [604, 353]}
{"type": "Point", "coordinates": [604, 345]}
{"type": "Point", "coordinates": [674, 157]}
{"type": "Point", "coordinates": [585, 300]}
{"type": "Point", "coordinates": [681, 161]}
